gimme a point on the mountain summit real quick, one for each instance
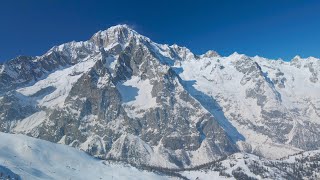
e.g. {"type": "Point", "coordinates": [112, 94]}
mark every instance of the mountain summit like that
{"type": "Point", "coordinates": [121, 96]}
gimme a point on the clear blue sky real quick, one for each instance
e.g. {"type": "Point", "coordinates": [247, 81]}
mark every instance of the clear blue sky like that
{"type": "Point", "coordinates": [269, 28]}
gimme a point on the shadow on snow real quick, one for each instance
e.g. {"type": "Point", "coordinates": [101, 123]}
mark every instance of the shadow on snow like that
{"type": "Point", "coordinates": [211, 105]}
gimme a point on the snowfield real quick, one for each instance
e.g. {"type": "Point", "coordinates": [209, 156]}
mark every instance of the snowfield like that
{"type": "Point", "coordinates": [32, 158]}
{"type": "Point", "coordinates": [23, 157]}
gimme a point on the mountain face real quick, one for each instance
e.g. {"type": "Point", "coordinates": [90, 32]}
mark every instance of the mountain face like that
{"type": "Point", "coordinates": [121, 96]}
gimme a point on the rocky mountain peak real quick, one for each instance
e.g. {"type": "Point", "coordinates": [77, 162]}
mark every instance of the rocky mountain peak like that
{"type": "Point", "coordinates": [182, 52]}
{"type": "Point", "coordinates": [210, 54]}
{"type": "Point", "coordinates": [115, 37]}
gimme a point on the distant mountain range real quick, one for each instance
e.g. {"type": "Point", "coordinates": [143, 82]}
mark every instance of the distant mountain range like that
{"type": "Point", "coordinates": [120, 96]}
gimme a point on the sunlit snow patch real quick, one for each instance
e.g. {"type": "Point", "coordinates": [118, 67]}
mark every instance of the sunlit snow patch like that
{"type": "Point", "coordinates": [62, 85]}
{"type": "Point", "coordinates": [136, 95]}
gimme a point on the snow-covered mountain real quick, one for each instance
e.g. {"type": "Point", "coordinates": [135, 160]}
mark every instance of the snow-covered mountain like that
{"type": "Point", "coordinates": [121, 96]}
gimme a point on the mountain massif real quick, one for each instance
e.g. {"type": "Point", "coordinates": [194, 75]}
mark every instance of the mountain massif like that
{"type": "Point", "coordinates": [120, 96]}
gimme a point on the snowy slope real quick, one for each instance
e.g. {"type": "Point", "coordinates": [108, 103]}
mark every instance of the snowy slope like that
{"type": "Point", "coordinates": [265, 100]}
{"type": "Point", "coordinates": [37, 159]}
{"type": "Point", "coordinates": [29, 158]}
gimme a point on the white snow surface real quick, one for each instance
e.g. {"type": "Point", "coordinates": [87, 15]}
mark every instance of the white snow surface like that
{"type": "Point", "coordinates": [137, 97]}
{"type": "Point", "coordinates": [62, 80]}
{"type": "Point", "coordinates": [27, 124]}
{"type": "Point", "coordinates": [32, 158]}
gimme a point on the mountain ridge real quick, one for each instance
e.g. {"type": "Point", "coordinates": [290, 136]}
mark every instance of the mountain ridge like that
{"type": "Point", "coordinates": [129, 28]}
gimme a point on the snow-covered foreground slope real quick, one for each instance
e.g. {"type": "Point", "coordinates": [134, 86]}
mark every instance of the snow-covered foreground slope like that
{"type": "Point", "coordinates": [32, 158]}
{"type": "Point", "coordinates": [23, 157]}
